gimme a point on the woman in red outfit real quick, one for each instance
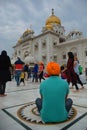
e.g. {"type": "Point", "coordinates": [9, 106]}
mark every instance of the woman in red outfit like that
{"type": "Point", "coordinates": [71, 75]}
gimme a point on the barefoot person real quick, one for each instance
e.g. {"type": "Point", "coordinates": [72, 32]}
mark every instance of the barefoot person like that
{"type": "Point", "coordinates": [71, 75]}
{"type": "Point", "coordinates": [5, 74]}
{"type": "Point", "coordinates": [76, 69]}
{"type": "Point", "coordinates": [54, 105]}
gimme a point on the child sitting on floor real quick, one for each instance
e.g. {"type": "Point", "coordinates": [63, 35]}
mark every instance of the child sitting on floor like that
{"type": "Point", "coordinates": [63, 72]}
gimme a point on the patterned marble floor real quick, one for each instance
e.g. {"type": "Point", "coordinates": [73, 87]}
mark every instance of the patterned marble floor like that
{"type": "Point", "coordinates": [18, 97]}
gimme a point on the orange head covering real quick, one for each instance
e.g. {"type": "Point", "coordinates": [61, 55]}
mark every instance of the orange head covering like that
{"type": "Point", "coordinates": [41, 63]}
{"type": "Point", "coordinates": [53, 68]}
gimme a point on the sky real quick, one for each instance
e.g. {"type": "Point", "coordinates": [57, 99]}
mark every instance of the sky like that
{"type": "Point", "coordinates": [16, 16]}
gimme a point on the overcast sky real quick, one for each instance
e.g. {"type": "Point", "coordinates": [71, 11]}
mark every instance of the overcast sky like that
{"type": "Point", "coordinates": [17, 15]}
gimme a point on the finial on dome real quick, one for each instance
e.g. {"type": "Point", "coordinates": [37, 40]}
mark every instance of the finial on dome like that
{"type": "Point", "coordinates": [52, 11]}
{"type": "Point", "coordinates": [31, 26]}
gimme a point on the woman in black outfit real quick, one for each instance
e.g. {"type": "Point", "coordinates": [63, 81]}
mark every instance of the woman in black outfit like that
{"type": "Point", "coordinates": [5, 74]}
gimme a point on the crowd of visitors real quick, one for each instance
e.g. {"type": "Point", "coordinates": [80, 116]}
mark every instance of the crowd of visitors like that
{"type": "Point", "coordinates": [36, 72]}
{"type": "Point", "coordinates": [53, 104]}
{"type": "Point", "coordinates": [22, 72]}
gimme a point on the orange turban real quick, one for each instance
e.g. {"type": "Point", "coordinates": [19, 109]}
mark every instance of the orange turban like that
{"type": "Point", "coordinates": [53, 68]}
{"type": "Point", "coordinates": [41, 63]}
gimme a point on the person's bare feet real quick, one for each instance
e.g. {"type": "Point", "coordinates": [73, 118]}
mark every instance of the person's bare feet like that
{"type": "Point", "coordinates": [76, 90]}
{"type": "Point", "coordinates": [71, 87]}
{"type": "Point", "coordinates": [2, 95]}
{"type": "Point", "coordinates": [82, 87]}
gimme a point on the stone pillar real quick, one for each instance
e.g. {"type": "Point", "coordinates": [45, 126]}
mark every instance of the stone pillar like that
{"type": "Point", "coordinates": [48, 44]}
{"type": "Point", "coordinates": [39, 50]}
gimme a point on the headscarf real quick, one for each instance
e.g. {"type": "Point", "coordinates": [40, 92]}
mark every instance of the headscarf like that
{"type": "Point", "coordinates": [3, 53]}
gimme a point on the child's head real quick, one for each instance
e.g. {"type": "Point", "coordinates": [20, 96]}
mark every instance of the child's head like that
{"type": "Point", "coordinates": [62, 67]}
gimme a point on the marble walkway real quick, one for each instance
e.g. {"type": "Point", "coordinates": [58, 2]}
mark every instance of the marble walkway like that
{"type": "Point", "coordinates": [22, 95]}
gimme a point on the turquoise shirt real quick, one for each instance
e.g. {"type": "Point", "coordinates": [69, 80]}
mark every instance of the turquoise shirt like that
{"type": "Point", "coordinates": [54, 91]}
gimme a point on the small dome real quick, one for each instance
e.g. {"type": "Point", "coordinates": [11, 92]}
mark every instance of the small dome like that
{"type": "Point", "coordinates": [29, 59]}
{"type": "Point", "coordinates": [13, 60]}
{"type": "Point", "coordinates": [19, 40]}
{"type": "Point", "coordinates": [26, 32]}
{"type": "Point", "coordinates": [53, 19]}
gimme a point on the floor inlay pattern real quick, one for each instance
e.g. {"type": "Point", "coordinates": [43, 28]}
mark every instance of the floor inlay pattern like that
{"type": "Point", "coordinates": [30, 114]}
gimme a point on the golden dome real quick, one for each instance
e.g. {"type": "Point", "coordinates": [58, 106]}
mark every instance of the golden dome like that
{"type": "Point", "coordinates": [53, 19]}
{"type": "Point", "coordinates": [19, 40]}
{"type": "Point", "coordinates": [49, 27]}
{"type": "Point", "coordinates": [27, 31]}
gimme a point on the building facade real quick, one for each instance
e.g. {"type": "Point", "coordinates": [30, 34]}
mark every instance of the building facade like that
{"type": "Point", "coordinates": [52, 44]}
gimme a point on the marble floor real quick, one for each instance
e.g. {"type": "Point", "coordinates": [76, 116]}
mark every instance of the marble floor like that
{"type": "Point", "coordinates": [22, 95]}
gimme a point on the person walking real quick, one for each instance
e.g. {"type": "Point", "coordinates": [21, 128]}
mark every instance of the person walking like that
{"type": "Point", "coordinates": [5, 72]}
{"type": "Point", "coordinates": [26, 71]}
{"type": "Point", "coordinates": [80, 69]}
{"type": "Point", "coordinates": [54, 106]}
{"type": "Point", "coordinates": [22, 77]}
{"type": "Point", "coordinates": [63, 72]}
{"type": "Point", "coordinates": [76, 69]}
{"type": "Point", "coordinates": [19, 64]}
{"type": "Point", "coordinates": [35, 73]}
{"type": "Point", "coordinates": [71, 75]}
{"type": "Point", "coordinates": [41, 71]}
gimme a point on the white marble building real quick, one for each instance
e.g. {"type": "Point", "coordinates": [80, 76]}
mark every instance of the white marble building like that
{"type": "Point", "coordinates": [52, 44]}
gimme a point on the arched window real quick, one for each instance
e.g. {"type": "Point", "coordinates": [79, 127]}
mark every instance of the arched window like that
{"type": "Point", "coordinates": [63, 55]}
{"type": "Point", "coordinates": [26, 53]}
{"type": "Point", "coordinates": [85, 51]}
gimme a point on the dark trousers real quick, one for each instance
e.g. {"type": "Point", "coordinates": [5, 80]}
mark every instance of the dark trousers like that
{"type": "Point", "coordinates": [2, 87]}
{"type": "Point", "coordinates": [35, 77]}
{"type": "Point", "coordinates": [74, 83]}
{"type": "Point", "coordinates": [79, 81]}
{"type": "Point", "coordinates": [41, 76]}
{"type": "Point", "coordinates": [68, 104]}
{"type": "Point", "coordinates": [17, 76]}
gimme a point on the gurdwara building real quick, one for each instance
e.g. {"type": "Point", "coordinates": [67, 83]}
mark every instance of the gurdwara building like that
{"type": "Point", "coordinates": [52, 44]}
